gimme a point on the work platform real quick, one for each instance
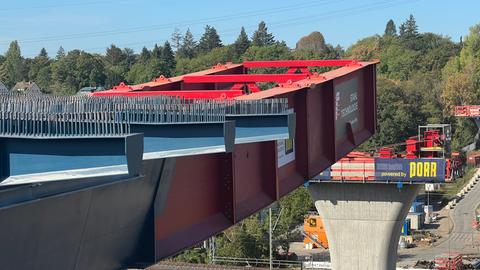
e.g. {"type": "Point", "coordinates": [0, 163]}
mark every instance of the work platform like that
{"type": "Point", "coordinates": [198, 176]}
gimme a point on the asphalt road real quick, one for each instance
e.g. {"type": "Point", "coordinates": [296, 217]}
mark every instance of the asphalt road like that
{"type": "Point", "coordinates": [462, 239]}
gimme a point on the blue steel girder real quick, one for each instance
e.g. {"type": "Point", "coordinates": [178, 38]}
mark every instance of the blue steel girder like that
{"type": "Point", "coordinates": [27, 159]}
{"type": "Point", "coordinates": [263, 127]}
{"type": "Point", "coordinates": [164, 140]}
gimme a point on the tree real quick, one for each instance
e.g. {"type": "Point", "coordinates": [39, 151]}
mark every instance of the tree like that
{"type": "Point", "coordinates": [142, 72]}
{"type": "Point", "coordinates": [114, 55]}
{"type": "Point", "coordinates": [400, 62]}
{"type": "Point", "coordinates": [217, 55]}
{"type": "Point", "coordinates": [176, 39]}
{"type": "Point", "coordinates": [292, 210]}
{"type": "Point", "coordinates": [313, 42]}
{"type": "Point", "coordinates": [187, 50]}
{"type": "Point", "coordinates": [43, 53]}
{"type": "Point", "coordinates": [13, 68]}
{"type": "Point", "coordinates": [116, 65]}
{"type": "Point", "coordinates": [409, 28]}
{"type": "Point", "coordinates": [461, 75]}
{"type": "Point", "coordinates": [242, 43]}
{"type": "Point", "coordinates": [40, 71]}
{"type": "Point", "coordinates": [76, 70]}
{"type": "Point", "coordinates": [394, 113]}
{"type": "Point", "coordinates": [129, 57]}
{"type": "Point", "coordinates": [271, 52]}
{"type": "Point", "coordinates": [168, 58]}
{"type": "Point", "coordinates": [144, 56]}
{"type": "Point", "coordinates": [209, 40]}
{"type": "Point", "coordinates": [60, 53]}
{"type": "Point", "coordinates": [409, 34]}
{"type": "Point", "coordinates": [261, 37]}
{"type": "Point", "coordinates": [365, 49]}
{"type": "Point", "coordinates": [157, 51]}
{"type": "Point", "coordinates": [390, 29]}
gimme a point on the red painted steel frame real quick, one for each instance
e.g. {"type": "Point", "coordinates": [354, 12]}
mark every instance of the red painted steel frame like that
{"type": "Point", "coordinates": [189, 94]}
{"type": "Point", "coordinates": [335, 112]}
{"type": "Point", "coordinates": [467, 111]}
{"type": "Point", "coordinates": [298, 63]}
{"type": "Point", "coordinates": [245, 78]}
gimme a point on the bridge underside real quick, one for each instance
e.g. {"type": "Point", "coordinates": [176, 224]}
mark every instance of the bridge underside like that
{"type": "Point", "coordinates": [363, 222]}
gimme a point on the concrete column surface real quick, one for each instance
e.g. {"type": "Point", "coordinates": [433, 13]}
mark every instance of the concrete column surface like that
{"type": "Point", "coordinates": [363, 222]}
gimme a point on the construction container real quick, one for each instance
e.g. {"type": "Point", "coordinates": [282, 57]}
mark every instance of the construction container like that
{"type": "Point", "coordinates": [406, 227]}
{"type": "Point", "coordinates": [314, 233]}
{"type": "Point", "coordinates": [473, 158]}
{"type": "Point", "coordinates": [416, 207]}
{"type": "Point", "coordinates": [416, 220]}
{"type": "Point", "coordinates": [402, 243]}
{"type": "Point", "coordinates": [428, 209]}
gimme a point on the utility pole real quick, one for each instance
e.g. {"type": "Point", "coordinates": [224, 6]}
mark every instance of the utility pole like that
{"type": "Point", "coordinates": [270, 235]}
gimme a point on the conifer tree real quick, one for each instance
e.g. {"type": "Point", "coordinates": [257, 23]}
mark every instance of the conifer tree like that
{"type": "Point", "coordinates": [12, 69]}
{"type": "Point", "coordinates": [242, 43]}
{"type": "Point", "coordinates": [157, 51]}
{"type": "Point", "coordinates": [187, 50]}
{"type": "Point", "coordinates": [261, 37]}
{"type": "Point", "coordinates": [390, 28]}
{"type": "Point", "coordinates": [144, 55]}
{"type": "Point", "coordinates": [168, 58]}
{"type": "Point", "coordinates": [176, 39]}
{"type": "Point", "coordinates": [209, 40]}
{"type": "Point", "coordinates": [43, 52]}
{"type": "Point", "coordinates": [60, 53]}
{"type": "Point", "coordinates": [409, 28]}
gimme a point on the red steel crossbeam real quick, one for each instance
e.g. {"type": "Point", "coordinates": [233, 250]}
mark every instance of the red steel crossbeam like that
{"type": "Point", "coordinates": [468, 111]}
{"type": "Point", "coordinates": [298, 63]}
{"type": "Point", "coordinates": [244, 78]}
{"type": "Point", "coordinates": [188, 94]}
{"type": "Point", "coordinates": [301, 66]}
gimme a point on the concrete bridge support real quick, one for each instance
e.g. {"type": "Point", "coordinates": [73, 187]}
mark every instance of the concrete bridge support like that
{"type": "Point", "coordinates": [363, 222]}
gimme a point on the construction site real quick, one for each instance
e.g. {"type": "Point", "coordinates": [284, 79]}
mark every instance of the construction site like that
{"type": "Point", "coordinates": [259, 154]}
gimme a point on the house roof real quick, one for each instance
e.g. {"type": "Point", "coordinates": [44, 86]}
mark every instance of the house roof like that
{"type": "Point", "coordinates": [29, 87]}
{"type": "Point", "coordinates": [3, 88]}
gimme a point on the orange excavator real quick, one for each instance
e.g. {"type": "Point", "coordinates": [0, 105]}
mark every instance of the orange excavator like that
{"type": "Point", "coordinates": [314, 232]}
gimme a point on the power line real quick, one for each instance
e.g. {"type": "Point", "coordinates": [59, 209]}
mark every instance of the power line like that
{"type": "Point", "coordinates": [71, 4]}
{"type": "Point", "coordinates": [177, 24]}
{"type": "Point", "coordinates": [322, 16]}
{"type": "Point", "coordinates": [295, 22]}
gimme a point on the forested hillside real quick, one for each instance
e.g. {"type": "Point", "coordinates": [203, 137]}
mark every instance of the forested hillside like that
{"type": "Point", "coordinates": [420, 78]}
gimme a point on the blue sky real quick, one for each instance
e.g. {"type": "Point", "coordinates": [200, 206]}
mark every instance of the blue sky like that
{"type": "Point", "coordinates": [94, 25]}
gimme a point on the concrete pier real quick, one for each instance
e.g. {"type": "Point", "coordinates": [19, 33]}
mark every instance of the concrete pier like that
{"type": "Point", "coordinates": [363, 222]}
